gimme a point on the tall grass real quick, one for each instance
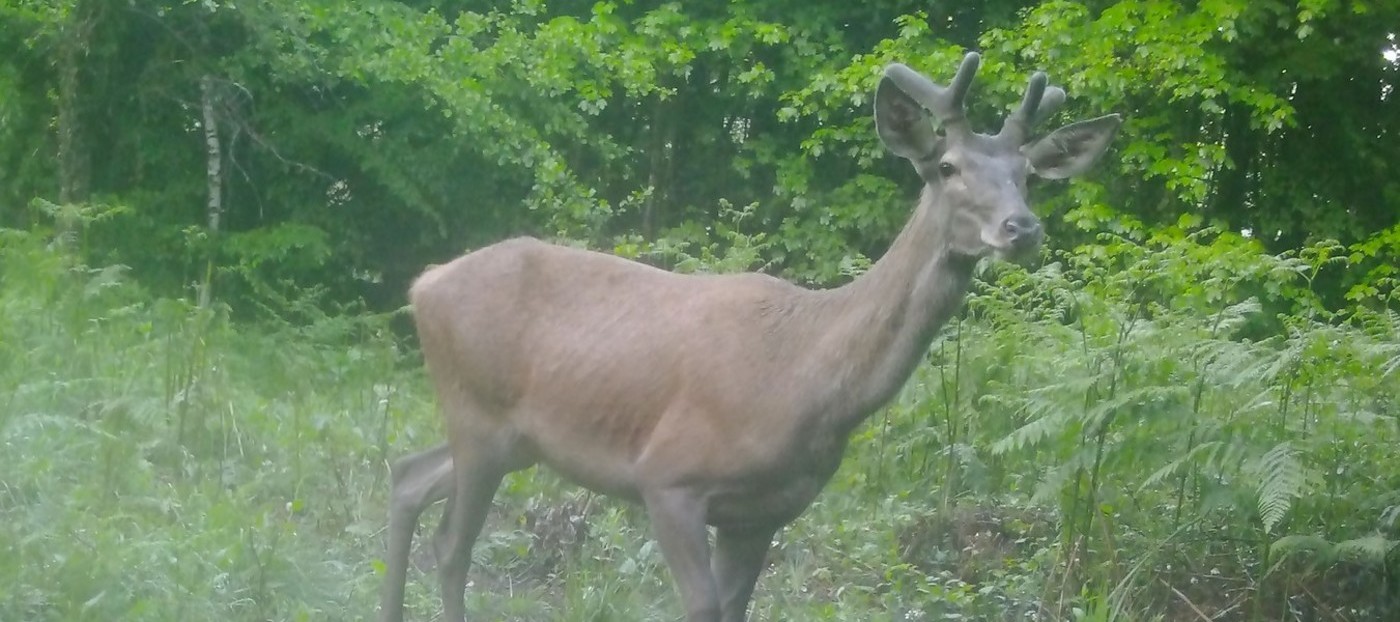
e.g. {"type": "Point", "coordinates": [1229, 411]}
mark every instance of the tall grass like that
{"type": "Point", "coordinates": [160, 462]}
{"type": "Point", "coordinates": [1165, 427]}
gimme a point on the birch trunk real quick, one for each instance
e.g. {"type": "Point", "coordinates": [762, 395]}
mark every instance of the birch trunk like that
{"type": "Point", "coordinates": [214, 208]}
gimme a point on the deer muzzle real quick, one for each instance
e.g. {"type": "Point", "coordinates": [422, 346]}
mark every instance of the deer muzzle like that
{"type": "Point", "coordinates": [1021, 236]}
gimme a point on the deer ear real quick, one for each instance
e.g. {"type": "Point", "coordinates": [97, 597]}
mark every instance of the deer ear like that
{"type": "Point", "coordinates": [1072, 149]}
{"type": "Point", "coordinates": [902, 123]}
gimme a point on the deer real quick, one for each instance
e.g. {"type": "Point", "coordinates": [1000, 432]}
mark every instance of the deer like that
{"type": "Point", "coordinates": [721, 401]}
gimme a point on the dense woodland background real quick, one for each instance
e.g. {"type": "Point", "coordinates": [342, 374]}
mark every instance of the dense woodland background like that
{"type": "Point", "coordinates": [210, 211]}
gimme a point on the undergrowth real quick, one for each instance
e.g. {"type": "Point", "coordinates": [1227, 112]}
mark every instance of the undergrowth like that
{"type": "Point", "coordinates": [161, 462]}
{"type": "Point", "coordinates": [1154, 427]}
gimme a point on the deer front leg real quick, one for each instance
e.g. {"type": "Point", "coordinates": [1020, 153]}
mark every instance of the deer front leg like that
{"type": "Point", "coordinates": [678, 519]}
{"type": "Point", "coordinates": [738, 560]}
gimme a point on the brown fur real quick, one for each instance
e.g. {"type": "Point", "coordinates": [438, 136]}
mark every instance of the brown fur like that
{"type": "Point", "coordinates": [724, 400]}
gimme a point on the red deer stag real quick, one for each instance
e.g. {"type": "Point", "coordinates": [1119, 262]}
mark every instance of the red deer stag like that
{"type": "Point", "coordinates": [719, 400]}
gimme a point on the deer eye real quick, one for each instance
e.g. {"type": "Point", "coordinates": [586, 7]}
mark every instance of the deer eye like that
{"type": "Point", "coordinates": [947, 169]}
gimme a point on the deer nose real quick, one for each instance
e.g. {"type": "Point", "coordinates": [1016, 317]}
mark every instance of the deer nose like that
{"type": "Point", "coordinates": [1022, 229]}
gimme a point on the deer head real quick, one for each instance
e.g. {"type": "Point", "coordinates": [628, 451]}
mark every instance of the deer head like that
{"type": "Point", "coordinates": [979, 180]}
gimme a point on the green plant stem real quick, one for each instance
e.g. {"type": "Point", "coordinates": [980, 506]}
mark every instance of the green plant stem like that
{"type": "Point", "coordinates": [950, 475]}
{"type": "Point", "coordinates": [1197, 395]}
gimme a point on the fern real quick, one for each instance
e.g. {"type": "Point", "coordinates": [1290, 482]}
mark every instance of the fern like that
{"type": "Point", "coordinates": [1391, 365]}
{"type": "Point", "coordinates": [1370, 550]}
{"type": "Point", "coordinates": [1061, 475]}
{"type": "Point", "coordinates": [1162, 396]}
{"type": "Point", "coordinates": [1281, 478]}
{"type": "Point", "coordinates": [1390, 516]}
{"type": "Point", "coordinates": [1051, 422]}
{"type": "Point", "coordinates": [1293, 545]}
{"type": "Point", "coordinates": [1173, 467]}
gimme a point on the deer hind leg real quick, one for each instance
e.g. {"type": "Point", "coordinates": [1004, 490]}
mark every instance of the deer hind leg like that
{"type": "Point", "coordinates": [461, 524]}
{"type": "Point", "coordinates": [738, 560]}
{"type": "Point", "coordinates": [417, 481]}
{"type": "Point", "coordinates": [481, 456]}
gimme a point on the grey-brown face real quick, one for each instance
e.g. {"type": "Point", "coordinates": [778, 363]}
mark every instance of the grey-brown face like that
{"type": "Point", "coordinates": [982, 186]}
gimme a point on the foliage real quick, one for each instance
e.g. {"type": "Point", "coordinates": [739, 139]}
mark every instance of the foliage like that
{"type": "Point", "coordinates": [406, 131]}
{"type": "Point", "coordinates": [1085, 442]}
{"type": "Point", "coordinates": [1187, 410]}
{"type": "Point", "coordinates": [1124, 386]}
{"type": "Point", "coordinates": [161, 463]}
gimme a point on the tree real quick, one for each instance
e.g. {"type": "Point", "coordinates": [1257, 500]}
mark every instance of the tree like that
{"type": "Point", "coordinates": [357, 146]}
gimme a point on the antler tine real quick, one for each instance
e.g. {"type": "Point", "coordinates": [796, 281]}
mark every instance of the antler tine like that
{"type": "Point", "coordinates": [1050, 102]}
{"type": "Point", "coordinates": [946, 103]}
{"type": "Point", "coordinates": [1016, 127]}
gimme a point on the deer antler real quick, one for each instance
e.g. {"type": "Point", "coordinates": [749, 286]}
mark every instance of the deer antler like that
{"type": "Point", "coordinates": [946, 103]}
{"type": "Point", "coordinates": [1039, 103]}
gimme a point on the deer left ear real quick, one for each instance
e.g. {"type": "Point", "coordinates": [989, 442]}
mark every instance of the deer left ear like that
{"type": "Point", "coordinates": [1072, 149]}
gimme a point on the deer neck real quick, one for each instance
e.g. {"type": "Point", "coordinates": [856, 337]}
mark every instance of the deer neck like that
{"type": "Point", "coordinates": [880, 325]}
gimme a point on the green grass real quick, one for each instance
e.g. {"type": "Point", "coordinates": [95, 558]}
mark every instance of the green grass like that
{"type": "Point", "coordinates": [160, 462]}
{"type": "Point", "coordinates": [1119, 438]}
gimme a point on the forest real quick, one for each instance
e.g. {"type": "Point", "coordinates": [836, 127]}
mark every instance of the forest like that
{"type": "Point", "coordinates": [1187, 408]}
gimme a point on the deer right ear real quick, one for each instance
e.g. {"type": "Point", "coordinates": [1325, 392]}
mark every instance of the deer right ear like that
{"type": "Point", "coordinates": [902, 123]}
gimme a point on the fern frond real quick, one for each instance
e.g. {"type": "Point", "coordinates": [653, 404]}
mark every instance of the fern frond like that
{"type": "Point", "coordinates": [1061, 475]}
{"type": "Point", "coordinates": [1281, 478]}
{"type": "Point", "coordinates": [1138, 396]}
{"type": "Point", "coordinates": [1274, 364]}
{"type": "Point", "coordinates": [1049, 417]}
{"type": "Point", "coordinates": [1370, 550]}
{"type": "Point", "coordinates": [1390, 516]}
{"type": "Point", "coordinates": [1393, 364]}
{"type": "Point", "coordinates": [1052, 423]}
{"type": "Point", "coordinates": [1291, 545]}
{"type": "Point", "coordinates": [1240, 312]}
{"type": "Point", "coordinates": [1171, 468]}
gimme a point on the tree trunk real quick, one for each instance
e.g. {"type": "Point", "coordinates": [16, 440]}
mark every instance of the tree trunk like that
{"type": "Point", "coordinates": [214, 208]}
{"type": "Point", "coordinates": [74, 158]}
{"type": "Point", "coordinates": [1232, 187]}
{"type": "Point", "coordinates": [656, 170]}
